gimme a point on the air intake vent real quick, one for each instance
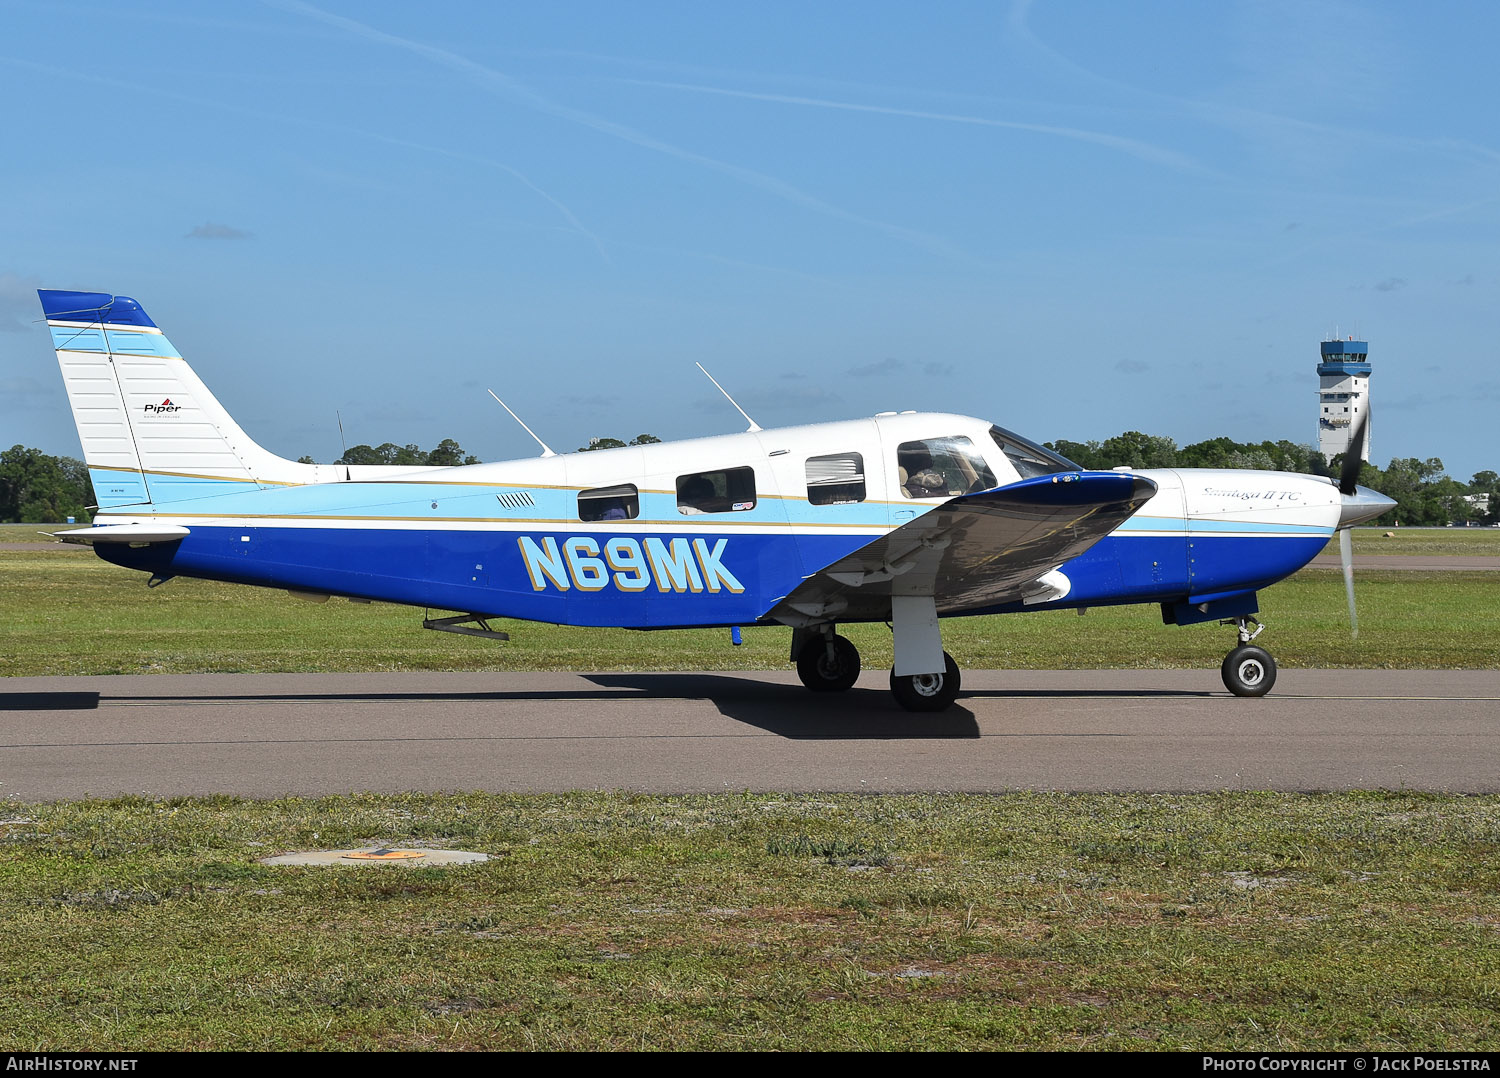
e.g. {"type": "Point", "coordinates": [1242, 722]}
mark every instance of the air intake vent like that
{"type": "Point", "coordinates": [516, 499]}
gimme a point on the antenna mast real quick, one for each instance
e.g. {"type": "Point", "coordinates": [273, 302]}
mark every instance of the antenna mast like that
{"type": "Point", "coordinates": [546, 451]}
{"type": "Point", "coordinates": [343, 442]}
{"type": "Point", "coordinates": [754, 426]}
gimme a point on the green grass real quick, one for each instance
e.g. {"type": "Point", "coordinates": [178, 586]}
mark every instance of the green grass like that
{"type": "Point", "coordinates": [70, 613]}
{"type": "Point", "coordinates": [30, 533]}
{"type": "Point", "coordinates": [1470, 542]}
{"type": "Point", "coordinates": [607, 921]}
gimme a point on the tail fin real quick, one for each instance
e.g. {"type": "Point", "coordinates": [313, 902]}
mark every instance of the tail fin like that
{"type": "Point", "coordinates": [151, 431]}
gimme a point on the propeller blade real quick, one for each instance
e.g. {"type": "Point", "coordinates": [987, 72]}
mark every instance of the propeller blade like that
{"type": "Point", "coordinates": [1354, 456]}
{"type": "Point", "coordinates": [1346, 556]}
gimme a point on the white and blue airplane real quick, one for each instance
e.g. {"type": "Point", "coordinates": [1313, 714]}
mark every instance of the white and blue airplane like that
{"type": "Point", "coordinates": [905, 518]}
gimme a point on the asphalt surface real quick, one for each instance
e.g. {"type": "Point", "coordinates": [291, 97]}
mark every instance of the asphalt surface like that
{"type": "Point", "coordinates": [265, 735]}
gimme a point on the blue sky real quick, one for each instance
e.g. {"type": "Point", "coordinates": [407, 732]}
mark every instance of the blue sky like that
{"type": "Point", "coordinates": [1071, 218]}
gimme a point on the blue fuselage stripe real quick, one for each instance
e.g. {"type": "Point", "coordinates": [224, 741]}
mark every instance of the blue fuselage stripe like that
{"type": "Point", "coordinates": [635, 578]}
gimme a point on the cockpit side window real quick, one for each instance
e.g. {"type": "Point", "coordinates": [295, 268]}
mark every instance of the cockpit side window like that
{"type": "Point", "coordinates": [1028, 458]}
{"type": "Point", "coordinates": [941, 468]}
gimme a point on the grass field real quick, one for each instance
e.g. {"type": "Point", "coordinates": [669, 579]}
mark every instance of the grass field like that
{"type": "Point", "coordinates": [613, 921]}
{"type": "Point", "coordinates": [67, 612]}
{"type": "Point", "coordinates": [1236, 921]}
{"type": "Point", "coordinates": [1473, 542]}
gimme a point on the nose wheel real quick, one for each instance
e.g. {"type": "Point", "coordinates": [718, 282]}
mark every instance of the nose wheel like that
{"type": "Point", "coordinates": [927, 692]}
{"type": "Point", "coordinates": [1248, 670]}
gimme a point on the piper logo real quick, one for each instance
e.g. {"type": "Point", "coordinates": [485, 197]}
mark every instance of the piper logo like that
{"type": "Point", "coordinates": [163, 408]}
{"type": "Point", "coordinates": [629, 565]}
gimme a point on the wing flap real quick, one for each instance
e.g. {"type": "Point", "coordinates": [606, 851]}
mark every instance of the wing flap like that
{"type": "Point", "coordinates": [974, 551]}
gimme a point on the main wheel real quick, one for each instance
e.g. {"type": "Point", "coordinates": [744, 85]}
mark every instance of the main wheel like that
{"type": "Point", "coordinates": [1249, 671]}
{"type": "Point", "coordinates": [927, 692]}
{"type": "Point", "coordinates": [823, 674]}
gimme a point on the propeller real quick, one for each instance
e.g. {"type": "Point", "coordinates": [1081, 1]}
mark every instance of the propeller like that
{"type": "Point", "coordinates": [1346, 556]}
{"type": "Point", "coordinates": [1354, 458]}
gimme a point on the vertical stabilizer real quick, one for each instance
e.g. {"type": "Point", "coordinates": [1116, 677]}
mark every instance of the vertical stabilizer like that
{"type": "Point", "coordinates": [151, 431]}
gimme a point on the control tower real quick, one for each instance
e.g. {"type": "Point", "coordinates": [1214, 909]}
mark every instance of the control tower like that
{"type": "Point", "coordinates": [1343, 395]}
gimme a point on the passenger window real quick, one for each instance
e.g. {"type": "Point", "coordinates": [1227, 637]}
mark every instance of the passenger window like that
{"type": "Point", "coordinates": [621, 502]}
{"type": "Point", "coordinates": [941, 468]}
{"type": "Point", "coordinates": [836, 479]}
{"type": "Point", "coordinates": [728, 491]}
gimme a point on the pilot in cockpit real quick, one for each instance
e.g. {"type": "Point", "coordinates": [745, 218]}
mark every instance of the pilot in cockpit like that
{"type": "Point", "coordinates": [918, 477]}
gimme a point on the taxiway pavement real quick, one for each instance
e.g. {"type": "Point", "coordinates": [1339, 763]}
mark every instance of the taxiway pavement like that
{"type": "Point", "coordinates": [264, 735]}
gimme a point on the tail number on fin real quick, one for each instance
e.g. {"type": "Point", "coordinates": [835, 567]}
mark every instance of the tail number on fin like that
{"type": "Point", "coordinates": [626, 564]}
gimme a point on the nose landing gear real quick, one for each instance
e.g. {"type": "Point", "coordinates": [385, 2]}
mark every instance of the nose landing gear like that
{"type": "Point", "coordinates": [927, 692]}
{"type": "Point", "coordinates": [1248, 670]}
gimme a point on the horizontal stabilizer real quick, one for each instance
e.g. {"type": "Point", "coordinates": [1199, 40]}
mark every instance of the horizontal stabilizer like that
{"type": "Point", "coordinates": [125, 533]}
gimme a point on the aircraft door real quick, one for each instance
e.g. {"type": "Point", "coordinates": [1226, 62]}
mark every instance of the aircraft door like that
{"type": "Point", "coordinates": [784, 470]}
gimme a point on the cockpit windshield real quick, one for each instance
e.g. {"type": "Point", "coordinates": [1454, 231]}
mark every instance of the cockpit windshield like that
{"type": "Point", "coordinates": [1028, 458]}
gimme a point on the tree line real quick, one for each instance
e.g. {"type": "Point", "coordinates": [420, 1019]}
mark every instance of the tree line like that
{"type": "Point", "coordinates": [447, 454]}
{"type": "Point", "coordinates": [1425, 495]}
{"type": "Point", "coordinates": [36, 487]}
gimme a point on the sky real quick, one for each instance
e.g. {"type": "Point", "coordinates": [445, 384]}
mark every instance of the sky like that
{"type": "Point", "coordinates": [1071, 218]}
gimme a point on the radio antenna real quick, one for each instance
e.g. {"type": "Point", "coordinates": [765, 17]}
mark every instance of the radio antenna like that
{"type": "Point", "coordinates": [546, 451]}
{"type": "Point", "coordinates": [754, 426]}
{"type": "Point", "coordinates": [343, 442]}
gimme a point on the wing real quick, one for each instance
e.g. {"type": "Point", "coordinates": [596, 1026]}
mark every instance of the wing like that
{"type": "Point", "coordinates": [974, 551]}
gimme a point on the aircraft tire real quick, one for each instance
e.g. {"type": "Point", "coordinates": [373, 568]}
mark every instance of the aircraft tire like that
{"type": "Point", "coordinates": [928, 692]}
{"type": "Point", "coordinates": [821, 675]}
{"type": "Point", "coordinates": [1249, 671]}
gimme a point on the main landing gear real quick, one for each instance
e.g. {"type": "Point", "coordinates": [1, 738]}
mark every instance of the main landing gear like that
{"type": "Point", "coordinates": [1248, 670]}
{"type": "Point", "coordinates": [827, 662]}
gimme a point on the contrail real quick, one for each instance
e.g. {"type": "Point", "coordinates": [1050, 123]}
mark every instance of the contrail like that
{"type": "Point", "coordinates": [303, 121]}
{"type": "Point", "coordinates": [1143, 150]}
{"type": "Point", "coordinates": [1237, 117]}
{"type": "Point", "coordinates": [497, 81]}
